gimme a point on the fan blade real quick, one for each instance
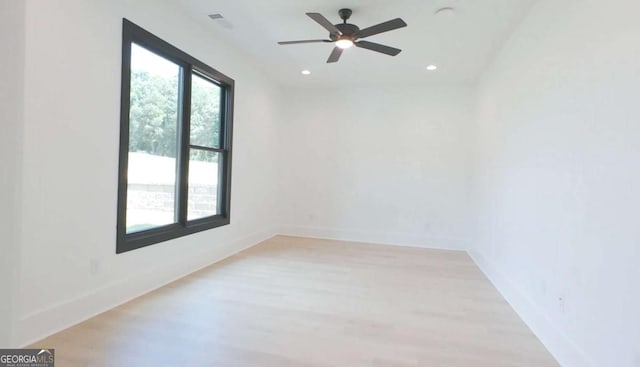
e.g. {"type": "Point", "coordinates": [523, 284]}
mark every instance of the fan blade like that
{"type": "Point", "coordinates": [335, 55]}
{"type": "Point", "coordinates": [303, 41]}
{"type": "Point", "coordinates": [391, 51]}
{"type": "Point", "coordinates": [320, 19]}
{"type": "Point", "coordinates": [380, 28]}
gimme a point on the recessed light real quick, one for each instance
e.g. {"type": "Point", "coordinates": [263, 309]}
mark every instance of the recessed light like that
{"type": "Point", "coordinates": [432, 67]}
{"type": "Point", "coordinates": [445, 12]}
{"type": "Point", "coordinates": [305, 72]}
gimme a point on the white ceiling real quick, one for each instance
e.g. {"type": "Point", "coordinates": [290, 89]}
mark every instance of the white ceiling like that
{"type": "Point", "coordinates": [461, 45]}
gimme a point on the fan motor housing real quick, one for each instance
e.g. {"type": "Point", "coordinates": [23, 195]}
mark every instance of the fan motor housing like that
{"type": "Point", "coordinates": [347, 29]}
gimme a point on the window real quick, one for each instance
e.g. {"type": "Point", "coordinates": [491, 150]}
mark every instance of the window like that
{"type": "Point", "coordinates": [175, 143]}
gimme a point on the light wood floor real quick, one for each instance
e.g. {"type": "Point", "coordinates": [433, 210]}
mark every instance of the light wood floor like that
{"type": "Point", "coordinates": [303, 302]}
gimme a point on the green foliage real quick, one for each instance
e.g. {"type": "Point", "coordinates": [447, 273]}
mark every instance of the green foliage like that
{"type": "Point", "coordinates": [153, 116]}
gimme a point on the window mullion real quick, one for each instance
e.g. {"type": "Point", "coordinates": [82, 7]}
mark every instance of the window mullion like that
{"type": "Point", "coordinates": [208, 149]}
{"type": "Point", "coordinates": [222, 184]}
{"type": "Point", "coordinates": [226, 103]}
{"type": "Point", "coordinates": [184, 125]}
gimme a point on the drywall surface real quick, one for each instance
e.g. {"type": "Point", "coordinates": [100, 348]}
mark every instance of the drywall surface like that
{"type": "Point", "coordinates": [11, 122]}
{"type": "Point", "coordinates": [72, 95]}
{"type": "Point", "coordinates": [556, 178]}
{"type": "Point", "coordinates": [382, 165]}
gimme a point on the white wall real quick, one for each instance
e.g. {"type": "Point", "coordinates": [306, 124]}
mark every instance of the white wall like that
{"type": "Point", "coordinates": [11, 108]}
{"type": "Point", "coordinates": [557, 178]}
{"type": "Point", "coordinates": [383, 165]}
{"type": "Point", "coordinates": [72, 91]}
{"type": "Point", "coordinates": [554, 183]}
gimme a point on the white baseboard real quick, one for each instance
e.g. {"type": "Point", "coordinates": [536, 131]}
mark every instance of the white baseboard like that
{"type": "Point", "coordinates": [40, 324]}
{"type": "Point", "coordinates": [383, 238]}
{"type": "Point", "coordinates": [567, 353]}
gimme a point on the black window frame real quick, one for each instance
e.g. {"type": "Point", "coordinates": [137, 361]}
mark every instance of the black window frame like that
{"type": "Point", "coordinates": [132, 33]}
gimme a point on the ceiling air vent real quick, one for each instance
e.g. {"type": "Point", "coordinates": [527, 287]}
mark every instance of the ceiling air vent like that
{"type": "Point", "coordinates": [219, 19]}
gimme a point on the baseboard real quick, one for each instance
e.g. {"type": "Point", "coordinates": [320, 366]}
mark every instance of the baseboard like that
{"type": "Point", "coordinates": [567, 353]}
{"type": "Point", "coordinates": [38, 325]}
{"type": "Point", "coordinates": [383, 238]}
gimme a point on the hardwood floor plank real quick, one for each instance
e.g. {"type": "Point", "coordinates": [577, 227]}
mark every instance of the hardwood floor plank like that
{"type": "Point", "coordinates": [310, 303]}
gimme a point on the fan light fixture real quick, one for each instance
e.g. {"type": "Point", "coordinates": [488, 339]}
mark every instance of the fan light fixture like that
{"type": "Point", "coordinates": [344, 43]}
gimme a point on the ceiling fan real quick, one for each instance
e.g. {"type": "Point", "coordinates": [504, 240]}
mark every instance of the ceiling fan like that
{"type": "Point", "coordinates": [345, 35]}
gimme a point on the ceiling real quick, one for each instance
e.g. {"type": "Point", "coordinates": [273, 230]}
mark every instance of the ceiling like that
{"type": "Point", "coordinates": [461, 45]}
